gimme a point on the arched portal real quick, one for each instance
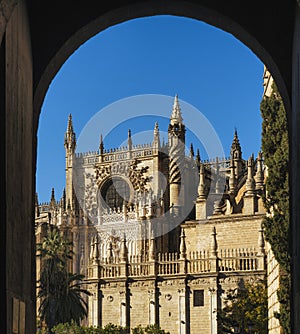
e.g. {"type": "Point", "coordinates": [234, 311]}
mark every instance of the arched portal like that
{"type": "Point", "coordinates": [36, 39]}
{"type": "Point", "coordinates": [226, 20]}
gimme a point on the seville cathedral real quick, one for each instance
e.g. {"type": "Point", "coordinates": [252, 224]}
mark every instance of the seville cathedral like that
{"type": "Point", "coordinates": [160, 235]}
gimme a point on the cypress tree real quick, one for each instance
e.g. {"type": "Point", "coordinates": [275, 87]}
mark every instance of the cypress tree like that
{"type": "Point", "coordinates": [276, 225]}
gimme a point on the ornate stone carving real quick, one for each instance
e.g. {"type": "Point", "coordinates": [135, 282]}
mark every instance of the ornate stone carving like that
{"type": "Point", "coordinates": [176, 283]}
{"type": "Point", "coordinates": [168, 296]}
{"type": "Point", "coordinates": [139, 284]}
{"type": "Point", "coordinates": [110, 298]}
{"type": "Point", "coordinates": [122, 294]}
{"type": "Point", "coordinates": [151, 294]}
{"type": "Point", "coordinates": [136, 175]}
{"type": "Point", "coordinates": [101, 172]}
{"type": "Point", "coordinates": [90, 199]}
{"type": "Point", "coordinates": [199, 281]}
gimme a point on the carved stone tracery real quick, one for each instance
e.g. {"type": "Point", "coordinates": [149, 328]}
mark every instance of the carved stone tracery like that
{"type": "Point", "coordinates": [136, 175]}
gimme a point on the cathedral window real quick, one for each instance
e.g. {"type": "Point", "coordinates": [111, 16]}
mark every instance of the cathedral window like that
{"type": "Point", "coordinates": [198, 297]}
{"type": "Point", "coordinates": [115, 192]}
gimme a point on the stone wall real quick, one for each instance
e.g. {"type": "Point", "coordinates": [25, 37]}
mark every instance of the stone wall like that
{"type": "Point", "coordinates": [20, 178]}
{"type": "Point", "coordinates": [182, 304]}
{"type": "Point", "coordinates": [273, 270]}
{"type": "Point", "coordinates": [233, 231]}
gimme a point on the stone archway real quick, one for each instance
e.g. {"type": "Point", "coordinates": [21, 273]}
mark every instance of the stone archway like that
{"type": "Point", "coordinates": [39, 37]}
{"type": "Point", "coordinates": [194, 10]}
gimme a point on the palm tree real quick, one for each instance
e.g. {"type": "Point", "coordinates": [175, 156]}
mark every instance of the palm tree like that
{"type": "Point", "coordinates": [60, 292]}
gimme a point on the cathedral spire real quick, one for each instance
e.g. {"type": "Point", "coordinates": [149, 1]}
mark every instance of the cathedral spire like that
{"type": "Point", "coordinates": [156, 139]}
{"type": "Point", "coordinates": [64, 201]}
{"type": "Point", "coordinates": [129, 141]}
{"type": "Point", "coordinates": [176, 116]}
{"type": "Point", "coordinates": [70, 145]}
{"type": "Point", "coordinates": [70, 138]}
{"type": "Point", "coordinates": [236, 155]}
{"type": "Point", "coordinates": [70, 124]}
{"type": "Point", "coordinates": [198, 159]}
{"type": "Point", "coordinates": [236, 152]}
{"type": "Point", "coordinates": [101, 145]}
{"type": "Point", "coordinates": [192, 152]}
{"type": "Point", "coordinates": [176, 146]}
{"type": "Point", "coordinates": [156, 130]}
{"type": "Point", "coordinates": [52, 200]}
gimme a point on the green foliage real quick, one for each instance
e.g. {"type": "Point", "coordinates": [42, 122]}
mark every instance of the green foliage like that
{"type": "Point", "coordinates": [59, 291]}
{"type": "Point", "coordinates": [150, 329]}
{"type": "Point", "coordinates": [246, 308]}
{"type": "Point", "coordinates": [276, 155]}
{"type": "Point", "coordinates": [68, 328]}
{"type": "Point", "coordinates": [113, 329]}
{"type": "Point", "coordinates": [55, 247]}
{"type": "Point", "coordinates": [277, 224]}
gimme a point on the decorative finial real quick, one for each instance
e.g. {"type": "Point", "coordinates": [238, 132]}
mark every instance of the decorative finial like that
{"type": "Point", "coordinates": [52, 200]}
{"type": "Point", "coordinates": [213, 244]}
{"type": "Point", "coordinates": [70, 138]}
{"type": "Point", "coordinates": [235, 151]}
{"type": "Point", "coordinates": [259, 176]}
{"type": "Point", "coordinates": [191, 151]}
{"type": "Point", "coordinates": [101, 146]}
{"type": "Point", "coordinates": [70, 124]}
{"type": "Point", "coordinates": [182, 247]}
{"type": "Point", "coordinates": [250, 183]}
{"type": "Point", "coordinates": [156, 139]}
{"type": "Point", "coordinates": [198, 158]}
{"type": "Point", "coordinates": [129, 142]}
{"type": "Point", "coordinates": [96, 250]}
{"type": "Point", "coordinates": [201, 187]}
{"type": "Point", "coordinates": [176, 112]}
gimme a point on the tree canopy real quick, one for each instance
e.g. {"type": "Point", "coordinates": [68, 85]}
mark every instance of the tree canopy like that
{"type": "Point", "coordinates": [245, 309]}
{"type": "Point", "coordinates": [275, 147]}
{"type": "Point", "coordinates": [60, 292]}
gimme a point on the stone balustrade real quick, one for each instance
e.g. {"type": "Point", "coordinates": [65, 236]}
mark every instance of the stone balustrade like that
{"type": "Point", "coordinates": [168, 264]}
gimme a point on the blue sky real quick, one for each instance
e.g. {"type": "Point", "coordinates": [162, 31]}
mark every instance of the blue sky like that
{"type": "Point", "coordinates": [210, 70]}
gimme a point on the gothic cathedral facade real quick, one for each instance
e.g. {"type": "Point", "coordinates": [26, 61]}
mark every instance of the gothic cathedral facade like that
{"type": "Point", "coordinates": [160, 235]}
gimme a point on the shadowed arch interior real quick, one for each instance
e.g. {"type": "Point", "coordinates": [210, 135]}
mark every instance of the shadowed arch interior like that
{"type": "Point", "coordinates": [52, 33]}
